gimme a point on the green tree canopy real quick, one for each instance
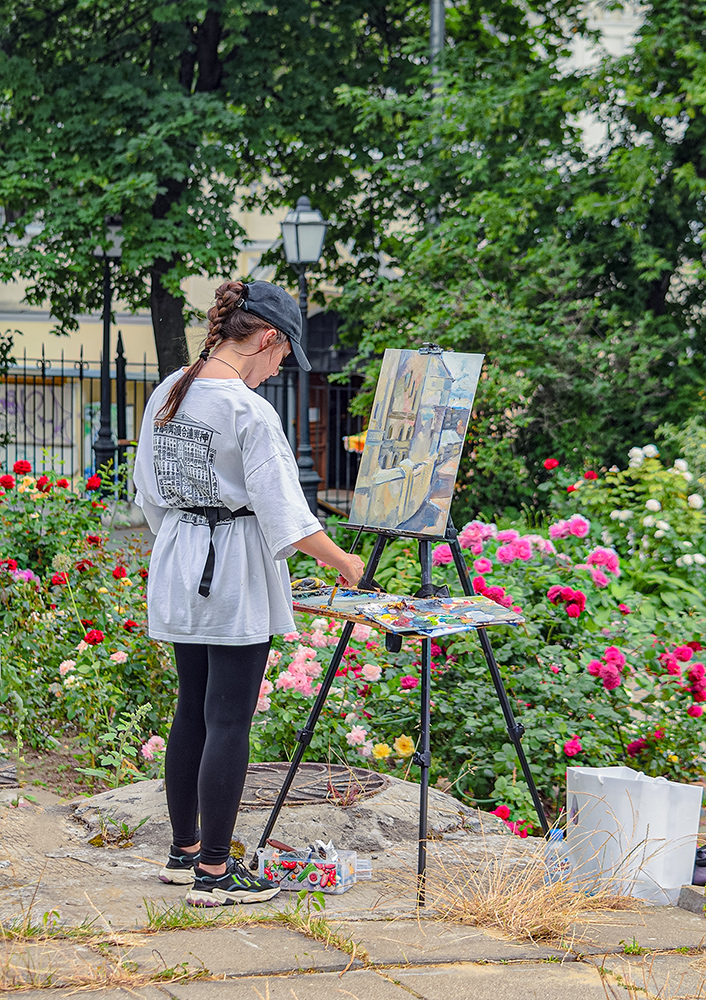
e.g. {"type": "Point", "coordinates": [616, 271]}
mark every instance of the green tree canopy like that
{"type": "Point", "coordinates": [165, 113]}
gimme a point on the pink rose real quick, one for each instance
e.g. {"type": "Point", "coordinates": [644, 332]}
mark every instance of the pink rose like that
{"type": "Point", "coordinates": [371, 672]}
{"type": "Point", "coordinates": [267, 687]}
{"type": "Point", "coordinates": [356, 737]}
{"type": "Point", "coordinates": [683, 653]}
{"type": "Point", "coordinates": [65, 666]}
{"type": "Point", "coordinates": [291, 636]}
{"type": "Point", "coordinates": [594, 668]}
{"type": "Point", "coordinates": [483, 566]}
{"type": "Point", "coordinates": [611, 677]}
{"type": "Point", "coordinates": [522, 548]}
{"type": "Point", "coordinates": [318, 639]}
{"type": "Point", "coordinates": [478, 585]}
{"type": "Point", "coordinates": [273, 657]}
{"type": "Point", "coordinates": [505, 554]}
{"type": "Point", "coordinates": [285, 681]}
{"type": "Point", "coordinates": [263, 704]}
{"type": "Point", "coordinates": [572, 747]}
{"type": "Point", "coordinates": [695, 711]}
{"type": "Point", "coordinates": [624, 609]}
{"type": "Point", "coordinates": [119, 657]}
{"type": "Point", "coordinates": [503, 812]}
{"type": "Point", "coordinates": [507, 535]}
{"type": "Point", "coordinates": [578, 526]}
{"type": "Point", "coordinates": [613, 656]}
{"type": "Point", "coordinates": [554, 669]}
{"type": "Point", "coordinates": [441, 555]}
{"type": "Point", "coordinates": [559, 530]}
{"type": "Point", "coordinates": [599, 578]}
{"type": "Point", "coordinates": [573, 610]}
{"type": "Point", "coordinates": [408, 682]}
{"type": "Point", "coordinates": [361, 633]}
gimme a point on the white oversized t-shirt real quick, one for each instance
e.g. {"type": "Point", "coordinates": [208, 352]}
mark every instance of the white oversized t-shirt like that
{"type": "Point", "coordinates": [224, 448]}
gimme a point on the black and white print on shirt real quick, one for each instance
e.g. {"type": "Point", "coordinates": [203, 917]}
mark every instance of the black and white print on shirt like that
{"type": "Point", "coordinates": [183, 464]}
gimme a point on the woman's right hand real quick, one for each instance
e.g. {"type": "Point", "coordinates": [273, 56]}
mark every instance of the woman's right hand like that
{"type": "Point", "coordinates": [351, 571]}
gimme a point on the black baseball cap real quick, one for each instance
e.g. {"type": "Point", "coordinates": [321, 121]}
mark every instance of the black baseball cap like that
{"type": "Point", "coordinates": [276, 306]}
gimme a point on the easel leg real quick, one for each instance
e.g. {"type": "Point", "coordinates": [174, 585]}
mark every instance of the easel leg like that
{"type": "Point", "coordinates": [305, 734]}
{"type": "Point", "coordinates": [515, 729]}
{"type": "Point", "coordinates": [423, 756]}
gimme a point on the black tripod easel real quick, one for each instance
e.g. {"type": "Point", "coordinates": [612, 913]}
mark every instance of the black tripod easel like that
{"type": "Point", "coordinates": [421, 757]}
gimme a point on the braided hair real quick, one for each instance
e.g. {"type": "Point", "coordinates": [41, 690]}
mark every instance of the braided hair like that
{"type": "Point", "coordinates": [226, 321]}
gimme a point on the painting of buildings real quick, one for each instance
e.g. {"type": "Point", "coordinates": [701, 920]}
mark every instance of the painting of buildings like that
{"type": "Point", "coordinates": [414, 439]}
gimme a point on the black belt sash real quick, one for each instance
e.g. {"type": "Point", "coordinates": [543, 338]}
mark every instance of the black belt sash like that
{"type": "Point", "coordinates": [213, 515]}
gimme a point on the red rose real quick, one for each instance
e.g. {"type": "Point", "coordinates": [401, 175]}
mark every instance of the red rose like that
{"type": "Point", "coordinates": [94, 539]}
{"type": "Point", "coordinates": [590, 474]}
{"type": "Point", "coordinates": [94, 637]}
{"type": "Point", "coordinates": [83, 564]}
{"type": "Point", "coordinates": [502, 812]}
{"type": "Point", "coordinates": [62, 482]}
{"type": "Point", "coordinates": [7, 482]}
{"type": "Point", "coordinates": [93, 483]}
{"type": "Point", "coordinates": [550, 463]}
{"type": "Point", "coordinates": [43, 484]}
{"type": "Point", "coordinates": [59, 578]}
{"type": "Point", "coordinates": [119, 572]}
{"type": "Point", "coordinates": [570, 489]}
{"type": "Point", "coordinates": [9, 564]}
{"type": "Point", "coordinates": [129, 625]}
{"type": "Point", "coordinates": [22, 467]}
{"type": "Point", "coordinates": [87, 622]}
{"type": "Point", "coordinates": [694, 711]}
{"type": "Point", "coordinates": [143, 573]}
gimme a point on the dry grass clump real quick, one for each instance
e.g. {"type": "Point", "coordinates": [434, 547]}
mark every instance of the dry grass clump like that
{"type": "Point", "coordinates": [511, 892]}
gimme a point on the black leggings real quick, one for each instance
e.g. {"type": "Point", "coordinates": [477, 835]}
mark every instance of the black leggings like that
{"type": "Point", "coordinates": [209, 742]}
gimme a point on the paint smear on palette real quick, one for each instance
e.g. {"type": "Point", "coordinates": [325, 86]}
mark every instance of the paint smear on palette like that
{"type": "Point", "coordinates": [406, 615]}
{"type": "Point", "coordinates": [437, 616]}
{"type": "Point", "coordinates": [345, 605]}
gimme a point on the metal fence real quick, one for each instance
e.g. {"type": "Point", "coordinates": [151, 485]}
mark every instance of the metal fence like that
{"type": "Point", "coordinates": [50, 414]}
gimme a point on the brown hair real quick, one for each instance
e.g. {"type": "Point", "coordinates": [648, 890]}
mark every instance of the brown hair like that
{"type": "Point", "coordinates": [226, 321]}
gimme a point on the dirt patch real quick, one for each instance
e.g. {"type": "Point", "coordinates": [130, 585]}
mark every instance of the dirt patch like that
{"type": "Point", "coordinates": [54, 769]}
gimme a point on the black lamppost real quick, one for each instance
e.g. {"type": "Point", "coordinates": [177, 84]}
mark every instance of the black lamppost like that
{"type": "Point", "coordinates": [104, 444]}
{"type": "Point", "coordinates": [303, 234]}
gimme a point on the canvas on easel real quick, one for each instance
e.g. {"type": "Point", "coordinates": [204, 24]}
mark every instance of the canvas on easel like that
{"type": "Point", "coordinates": [414, 441]}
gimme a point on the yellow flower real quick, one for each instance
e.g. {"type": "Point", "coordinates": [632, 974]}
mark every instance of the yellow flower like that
{"type": "Point", "coordinates": [126, 582]}
{"type": "Point", "coordinates": [673, 757]}
{"type": "Point", "coordinates": [102, 590]}
{"type": "Point", "coordinates": [28, 481]}
{"type": "Point", "coordinates": [381, 750]}
{"type": "Point", "coordinates": [33, 516]}
{"type": "Point", "coordinates": [404, 746]}
{"type": "Point", "coordinates": [36, 496]}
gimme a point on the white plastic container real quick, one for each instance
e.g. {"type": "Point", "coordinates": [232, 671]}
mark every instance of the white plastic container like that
{"type": "Point", "coordinates": [631, 833]}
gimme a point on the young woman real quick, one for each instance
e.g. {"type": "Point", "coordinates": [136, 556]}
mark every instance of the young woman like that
{"type": "Point", "coordinates": [218, 484]}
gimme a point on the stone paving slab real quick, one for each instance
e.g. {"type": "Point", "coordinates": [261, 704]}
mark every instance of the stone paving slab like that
{"type": "Point", "coordinates": [360, 984]}
{"type": "Point", "coordinates": [233, 951]}
{"type": "Point", "coordinates": [134, 993]}
{"type": "Point", "coordinates": [417, 942]}
{"type": "Point", "coordinates": [47, 963]}
{"type": "Point", "coordinates": [502, 982]}
{"type": "Point", "coordinates": [660, 928]}
{"type": "Point", "coordinates": [676, 977]}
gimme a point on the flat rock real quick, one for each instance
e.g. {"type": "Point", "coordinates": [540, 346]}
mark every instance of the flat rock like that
{"type": "Point", "coordinates": [384, 820]}
{"type": "Point", "coordinates": [363, 984]}
{"type": "Point", "coordinates": [672, 976]}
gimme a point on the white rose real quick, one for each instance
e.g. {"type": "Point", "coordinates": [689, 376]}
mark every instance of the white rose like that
{"type": "Point", "coordinates": [653, 505]}
{"type": "Point", "coordinates": [659, 534]}
{"type": "Point", "coordinates": [688, 559]}
{"type": "Point", "coordinates": [624, 515]}
{"type": "Point", "coordinates": [648, 521]}
{"type": "Point", "coordinates": [636, 453]}
{"type": "Point", "coordinates": [687, 477]}
{"type": "Point", "coordinates": [662, 525]}
{"type": "Point", "coordinates": [649, 451]}
{"type": "Point", "coordinates": [699, 559]}
{"type": "Point", "coordinates": [695, 500]}
{"type": "Point", "coordinates": [614, 515]}
{"type": "Point", "coordinates": [680, 561]}
{"type": "Point", "coordinates": [681, 465]}
{"type": "Point", "coordinates": [688, 545]}
{"type": "Point", "coordinates": [635, 463]}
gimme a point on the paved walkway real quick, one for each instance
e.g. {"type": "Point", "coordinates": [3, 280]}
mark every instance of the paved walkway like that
{"type": "Point", "coordinates": [79, 918]}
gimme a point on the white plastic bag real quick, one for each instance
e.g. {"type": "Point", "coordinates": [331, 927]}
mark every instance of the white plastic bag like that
{"type": "Point", "coordinates": [631, 833]}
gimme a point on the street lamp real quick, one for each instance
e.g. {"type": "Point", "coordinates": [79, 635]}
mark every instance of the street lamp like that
{"type": "Point", "coordinates": [303, 234]}
{"type": "Point", "coordinates": [104, 444]}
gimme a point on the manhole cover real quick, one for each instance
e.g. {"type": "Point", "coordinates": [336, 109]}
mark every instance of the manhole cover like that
{"type": "Point", "coordinates": [335, 783]}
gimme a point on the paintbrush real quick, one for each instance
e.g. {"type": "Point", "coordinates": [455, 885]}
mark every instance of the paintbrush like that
{"type": "Point", "coordinates": [350, 550]}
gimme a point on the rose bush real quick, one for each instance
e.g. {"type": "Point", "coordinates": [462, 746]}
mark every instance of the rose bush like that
{"type": "Point", "coordinates": [608, 667]}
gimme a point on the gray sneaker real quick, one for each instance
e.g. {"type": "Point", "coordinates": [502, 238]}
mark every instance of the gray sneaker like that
{"type": "Point", "coordinates": [236, 885]}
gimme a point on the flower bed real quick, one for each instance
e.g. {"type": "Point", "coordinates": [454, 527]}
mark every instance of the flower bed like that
{"type": "Point", "coordinates": [607, 669]}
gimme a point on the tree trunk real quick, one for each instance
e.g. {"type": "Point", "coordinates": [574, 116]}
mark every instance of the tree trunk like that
{"type": "Point", "coordinates": [168, 322]}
